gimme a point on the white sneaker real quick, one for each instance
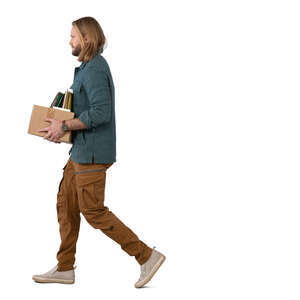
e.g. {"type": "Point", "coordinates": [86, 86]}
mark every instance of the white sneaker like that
{"type": "Point", "coordinates": [150, 267]}
{"type": "Point", "coordinates": [56, 276]}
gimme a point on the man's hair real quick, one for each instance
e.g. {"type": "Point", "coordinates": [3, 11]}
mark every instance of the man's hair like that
{"type": "Point", "coordinates": [88, 27]}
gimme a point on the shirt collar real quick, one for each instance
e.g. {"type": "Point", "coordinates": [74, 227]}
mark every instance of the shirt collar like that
{"type": "Point", "coordinates": [82, 65]}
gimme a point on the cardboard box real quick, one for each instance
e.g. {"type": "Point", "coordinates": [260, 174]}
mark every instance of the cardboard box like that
{"type": "Point", "coordinates": [40, 113]}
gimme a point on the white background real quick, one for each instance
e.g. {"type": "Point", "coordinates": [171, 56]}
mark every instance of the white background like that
{"type": "Point", "coordinates": [208, 169]}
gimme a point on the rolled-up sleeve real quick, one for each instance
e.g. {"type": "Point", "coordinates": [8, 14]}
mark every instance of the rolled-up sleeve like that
{"type": "Point", "coordinates": [96, 85]}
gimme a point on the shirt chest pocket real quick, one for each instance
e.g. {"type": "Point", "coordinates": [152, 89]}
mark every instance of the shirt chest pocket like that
{"type": "Point", "coordinates": [79, 95]}
{"type": "Point", "coordinates": [77, 88]}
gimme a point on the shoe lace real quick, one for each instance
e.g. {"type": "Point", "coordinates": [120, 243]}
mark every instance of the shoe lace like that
{"type": "Point", "coordinates": [143, 271]}
{"type": "Point", "coordinates": [54, 270]}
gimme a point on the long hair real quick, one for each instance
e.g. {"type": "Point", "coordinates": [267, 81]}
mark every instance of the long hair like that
{"type": "Point", "coordinates": [89, 28]}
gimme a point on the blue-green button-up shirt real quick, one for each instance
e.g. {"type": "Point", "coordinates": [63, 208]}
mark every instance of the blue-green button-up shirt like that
{"type": "Point", "coordinates": [94, 105]}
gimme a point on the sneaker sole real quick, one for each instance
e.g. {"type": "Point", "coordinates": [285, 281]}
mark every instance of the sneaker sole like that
{"type": "Point", "coordinates": [151, 274]}
{"type": "Point", "coordinates": [52, 280]}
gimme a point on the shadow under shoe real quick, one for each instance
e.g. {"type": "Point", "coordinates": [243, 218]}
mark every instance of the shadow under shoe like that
{"type": "Point", "coordinates": [54, 276]}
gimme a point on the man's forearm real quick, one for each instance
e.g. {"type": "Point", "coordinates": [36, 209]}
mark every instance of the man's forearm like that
{"type": "Point", "coordinates": [75, 124]}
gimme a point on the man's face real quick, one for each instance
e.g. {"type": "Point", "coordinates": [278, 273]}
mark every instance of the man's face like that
{"type": "Point", "coordinates": [75, 41]}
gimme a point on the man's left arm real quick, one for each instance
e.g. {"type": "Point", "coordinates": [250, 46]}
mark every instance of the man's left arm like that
{"type": "Point", "coordinates": [96, 84]}
{"type": "Point", "coordinates": [97, 89]}
{"type": "Point", "coordinates": [55, 131]}
{"type": "Point", "coordinates": [75, 124]}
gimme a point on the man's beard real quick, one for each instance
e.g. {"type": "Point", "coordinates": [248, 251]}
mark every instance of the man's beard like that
{"type": "Point", "coordinates": [76, 51]}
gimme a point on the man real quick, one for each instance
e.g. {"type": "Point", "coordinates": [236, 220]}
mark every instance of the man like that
{"type": "Point", "coordinates": [81, 189]}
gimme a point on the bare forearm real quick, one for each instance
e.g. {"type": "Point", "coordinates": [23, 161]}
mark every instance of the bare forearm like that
{"type": "Point", "coordinates": [75, 124]}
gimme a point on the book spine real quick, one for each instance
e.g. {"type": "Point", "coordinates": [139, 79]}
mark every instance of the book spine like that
{"type": "Point", "coordinates": [71, 102]}
{"type": "Point", "coordinates": [55, 99]}
{"type": "Point", "coordinates": [60, 100]}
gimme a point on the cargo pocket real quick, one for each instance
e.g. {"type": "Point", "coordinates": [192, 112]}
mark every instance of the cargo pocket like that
{"type": "Point", "coordinates": [60, 203]}
{"type": "Point", "coordinates": [59, 186]}
{"type": "Point", "coordinates": [90, 187]}
{"type": "Point", "coordinates": [60, 210]}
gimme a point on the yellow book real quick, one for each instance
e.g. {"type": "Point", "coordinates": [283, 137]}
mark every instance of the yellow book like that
{"type": "Point", "coordinates": [71, 99]}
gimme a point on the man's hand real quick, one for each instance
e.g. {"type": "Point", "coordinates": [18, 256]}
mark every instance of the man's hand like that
{"type": "Point", "coordinates": [55, 132]}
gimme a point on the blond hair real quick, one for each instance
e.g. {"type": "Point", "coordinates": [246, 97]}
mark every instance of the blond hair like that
{"type": "Point", "coordinates": [90, 29]}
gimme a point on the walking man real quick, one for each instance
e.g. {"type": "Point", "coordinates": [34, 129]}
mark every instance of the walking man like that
{"type": "Point", "coordinates": [81, 189]}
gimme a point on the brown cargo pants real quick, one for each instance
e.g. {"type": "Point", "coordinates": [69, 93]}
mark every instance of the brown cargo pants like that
{"type": "Point", "coordinates": [82, 190]}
